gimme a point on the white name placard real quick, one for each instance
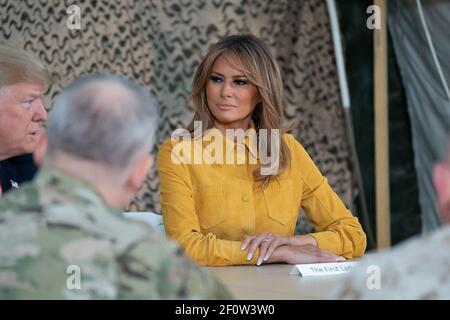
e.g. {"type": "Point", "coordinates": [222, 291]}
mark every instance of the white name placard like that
{"type": "Point", "coordinates": [322, 269]}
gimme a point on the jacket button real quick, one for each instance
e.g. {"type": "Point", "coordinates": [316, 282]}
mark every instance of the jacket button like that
{"type": "Point", "coordinates": [245, 198]}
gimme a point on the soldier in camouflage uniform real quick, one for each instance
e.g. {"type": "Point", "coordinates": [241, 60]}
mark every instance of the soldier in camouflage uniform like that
{"type": "Point", "coordinates": [416, 269]}
{"type": "Point", "coordinates": [60, 236]}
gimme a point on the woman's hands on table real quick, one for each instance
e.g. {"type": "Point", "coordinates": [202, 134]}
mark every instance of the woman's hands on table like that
{"type": "Point", "coordinates": [292, 250]}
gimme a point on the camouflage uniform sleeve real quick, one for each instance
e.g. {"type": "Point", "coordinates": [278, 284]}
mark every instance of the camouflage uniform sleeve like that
{"type": "Point", "coordinates": [159, 270]}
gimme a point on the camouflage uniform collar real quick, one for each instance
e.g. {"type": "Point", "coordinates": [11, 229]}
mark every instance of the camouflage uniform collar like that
{"type": "Point", "coordinates": [71, 202]}
{"type": "Point", "coordinates": [69, 185]}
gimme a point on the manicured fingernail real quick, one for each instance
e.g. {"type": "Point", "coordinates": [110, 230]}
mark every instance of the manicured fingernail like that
{"type": "Point", "coordinates": [341, 259]}
{"type": "Point", "coordinates": [249, 256]}
{"type": "Point", "coordinates": [242, 247]}
{"type": "Point", "coordinates": [266, 258]}
{"type": "Point", "coordinates": [259, 262]}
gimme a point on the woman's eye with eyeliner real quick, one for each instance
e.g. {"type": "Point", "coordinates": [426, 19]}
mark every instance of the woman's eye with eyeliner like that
{"type": "Point", "coordinates": [215, 79]}
{"type": "Point", "coordinates": [240, 82]}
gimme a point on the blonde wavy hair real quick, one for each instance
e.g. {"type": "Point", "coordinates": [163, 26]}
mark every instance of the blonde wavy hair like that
{"type": "Point", "coordinates": [252, 57]}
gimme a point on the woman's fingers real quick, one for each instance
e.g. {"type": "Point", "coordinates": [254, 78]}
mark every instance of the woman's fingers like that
{"type": "Point", "coordinates": [276, 242]}
{"type": "Point", "coordinates": [329, 257]}
{"type": "Point", "coordinates": [265, 243]}
{"type": "Point", "coordinates": [247, 240]}
{"type": "Point", "coordinates": [255, 244]}
{"type": "Point", "coordinates": [326, 256]}
{"type": "Point", "coordinates": [273, 245]}
{"type": "Point", "coordinates": [252, 248]}
{"type": "Point", "coordinates": [308, 254]}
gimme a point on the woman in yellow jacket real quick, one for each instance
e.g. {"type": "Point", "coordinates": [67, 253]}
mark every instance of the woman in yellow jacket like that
{"type": "Point", "coordinates": [232, 185]}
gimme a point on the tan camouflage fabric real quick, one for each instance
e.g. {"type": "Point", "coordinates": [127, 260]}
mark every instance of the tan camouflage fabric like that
{"type": "Point", "coordinates": [58, 240]}
{"type": "Point", "coordinates": [416, 269]}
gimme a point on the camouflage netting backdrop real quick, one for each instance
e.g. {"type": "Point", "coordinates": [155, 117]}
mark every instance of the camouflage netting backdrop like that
{"type": "Point", "coordinates": [160, 43]}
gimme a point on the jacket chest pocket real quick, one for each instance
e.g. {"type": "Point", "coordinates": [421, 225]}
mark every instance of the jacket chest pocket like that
{"type": "Point", "coordinates": [283, 201]}
{"type": "Point", "coordinates": [209, 205]}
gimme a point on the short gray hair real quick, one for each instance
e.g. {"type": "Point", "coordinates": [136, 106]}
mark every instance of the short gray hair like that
{"type": "Point", "coordinates": [104, 118]}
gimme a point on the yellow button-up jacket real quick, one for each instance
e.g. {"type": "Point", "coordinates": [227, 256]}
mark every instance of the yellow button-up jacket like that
{"type": "Point", "coordinates": [209, 207]}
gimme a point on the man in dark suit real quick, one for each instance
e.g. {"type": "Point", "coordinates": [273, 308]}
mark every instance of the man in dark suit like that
{"type": "Point", "coordinates": [23, 81]}
{"type": "Point", "coordinates": [15, 170]}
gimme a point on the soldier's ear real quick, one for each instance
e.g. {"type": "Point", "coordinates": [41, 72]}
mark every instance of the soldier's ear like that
{"type": "Point", "coordinates": [139, 172]}
{"type": "Point", "coordinates": [441, 179]}
{"type": "Point", "coordinates": [41, 149]}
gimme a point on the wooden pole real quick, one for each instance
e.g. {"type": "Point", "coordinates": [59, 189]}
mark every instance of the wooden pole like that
{"type": "Point", "coordinates": [382, 130]}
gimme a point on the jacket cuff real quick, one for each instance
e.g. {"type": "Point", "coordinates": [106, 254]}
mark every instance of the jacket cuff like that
{"type": "Point", "coordinates": [329, 241]}
{"type": "Point", "coordinates": [239, 256]}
